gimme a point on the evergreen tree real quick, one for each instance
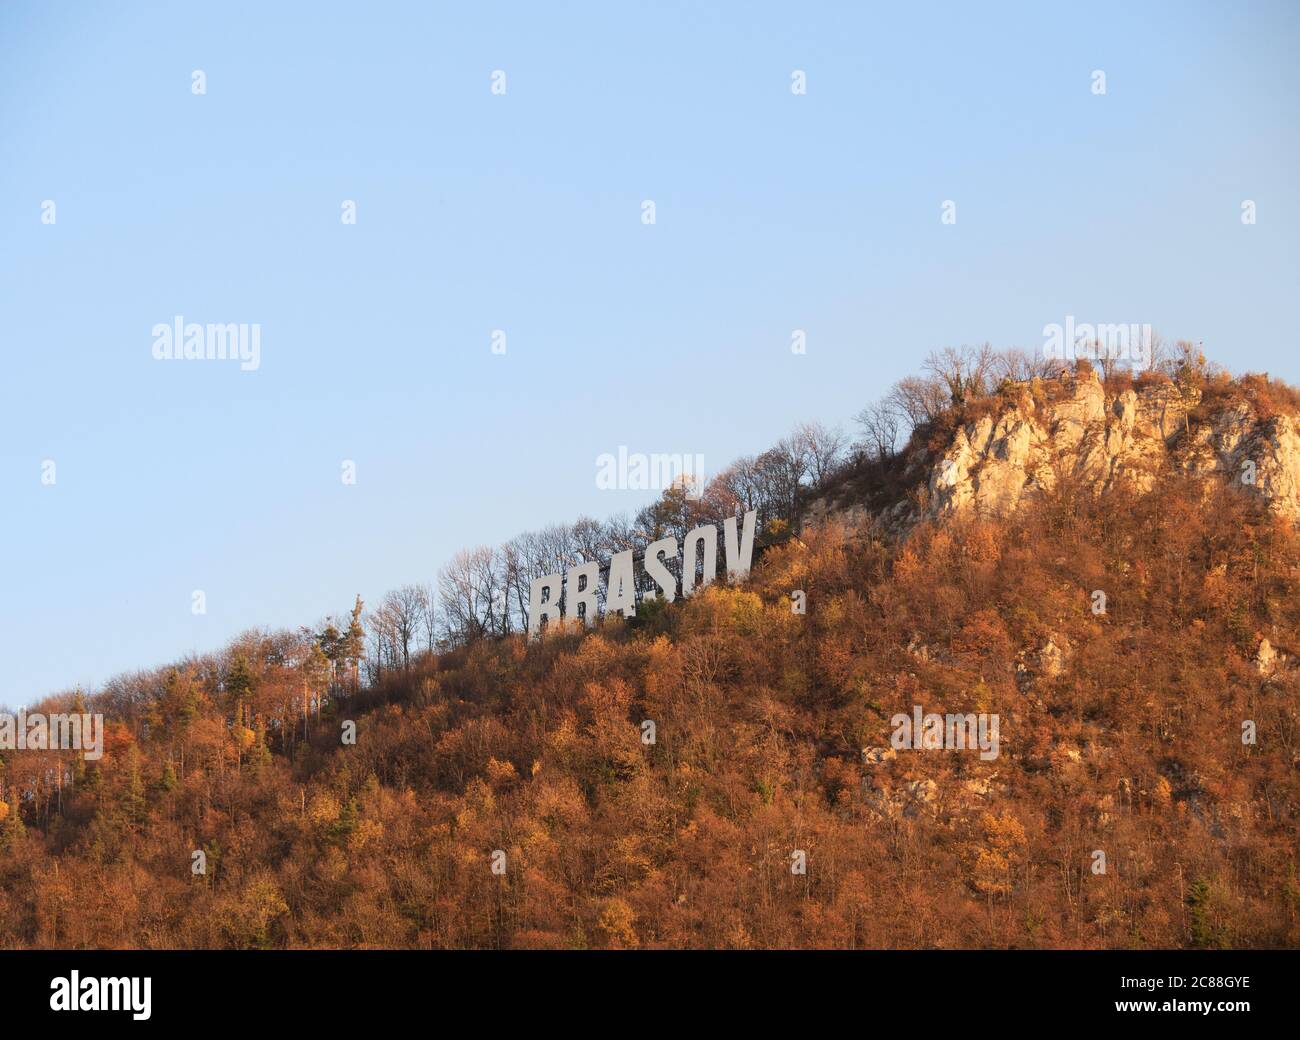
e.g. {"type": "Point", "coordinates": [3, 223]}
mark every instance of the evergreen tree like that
{"type": "Point", "coordinates": [239, 688]}
{"type": "Point", "coordinates": [354, 639]}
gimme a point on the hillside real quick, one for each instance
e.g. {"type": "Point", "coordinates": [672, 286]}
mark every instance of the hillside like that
{"type": "Point", "coordinates": [502, 794]}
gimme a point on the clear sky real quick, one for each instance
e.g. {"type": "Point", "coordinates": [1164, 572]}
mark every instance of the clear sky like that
{"type": "Point", "coordinates": [523, 212]}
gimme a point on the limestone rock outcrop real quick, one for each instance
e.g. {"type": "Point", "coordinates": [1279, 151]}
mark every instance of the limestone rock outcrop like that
{"type": "Point", "coordinates": [995, 461]}
{"type": "Point", "coordinates": [1048, 429]}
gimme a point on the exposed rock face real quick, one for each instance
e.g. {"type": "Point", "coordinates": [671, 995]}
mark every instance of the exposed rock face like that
{"type": "Point", "coordinates": [874, 756]}
{"type": "Point", "coordinates": [1052, 659]}
{"type": "Point", "coordinates": [1266, 658]}
{"type": "Point", "coordinates": [1272, 662]}
{"type": "Point", "coordinates": [1071, 427]}
{"type": "Point", "coordinates": [993, 463]}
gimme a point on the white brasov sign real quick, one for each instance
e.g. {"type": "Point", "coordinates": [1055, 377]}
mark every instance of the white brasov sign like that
{"type": "Point", "coordinates": [581, 588]}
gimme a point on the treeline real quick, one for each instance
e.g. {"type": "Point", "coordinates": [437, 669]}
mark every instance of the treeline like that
{"type": "Point", "coordinates": [954, 379]}
{"type": "Point", "coordinates": [483, 591]}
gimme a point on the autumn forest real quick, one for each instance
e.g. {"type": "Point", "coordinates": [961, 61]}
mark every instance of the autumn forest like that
{"type": "Point", "coordinates": [718, 771]}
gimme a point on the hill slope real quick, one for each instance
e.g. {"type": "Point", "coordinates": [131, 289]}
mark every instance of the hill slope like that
{"type": "Point", "coordinates": [506, 795]}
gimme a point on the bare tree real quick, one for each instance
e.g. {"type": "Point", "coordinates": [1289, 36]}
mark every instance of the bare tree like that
{"type": "Point", "coordinates": [822, 449]}
{"type": "Point", "coordinates": [965, 371]}
{"type": "Point", "coordinates": [405, 608]}
{"type": "Point", "coordinates": [1162, 358]}
{"type": "Point", "coordinates": [588, 539]}
{"type": "Point", "coordinates": [620, 533]}
{"type": "Point", "coordinates": [472, 594]}
{"type": "Point", "coordinates": [918, 399]}
{"type": "Point", "coordinates": [1020, 366]}
{"type": "Point", "coordinates": [521, 562]}
{"type": "Point", "coordinates": [381, 633]}
{"type": "Point", "coordinates": [739, 483]}
{"type": "Point", "coordinates": [429, 615]}
{"type": "Point", "coordinates": [880, 423]}
{"type": "Point", "coordinates": [780, 471]}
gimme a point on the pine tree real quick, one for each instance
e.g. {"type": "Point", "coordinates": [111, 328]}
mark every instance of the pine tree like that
{"type": "Point", "coordinates": [259, 754]}
{"type": "Point", "coordinates": [330, 641]}
{"type": "Point", "coordinates": [79, 761]}
{"type": "Point", "coordinates": [239, 688]}
{"type": "Point", "coordinates": [354, 640]}
{"type": "Point", "coordinates": [134, 803]}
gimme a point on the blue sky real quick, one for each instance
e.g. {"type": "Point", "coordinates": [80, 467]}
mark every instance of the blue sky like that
{"type": "Point", "coordinates": [522, 212]}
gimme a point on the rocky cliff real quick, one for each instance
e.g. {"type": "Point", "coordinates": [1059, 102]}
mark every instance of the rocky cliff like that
{"type": "Point", "coordinates": [1033, 434]}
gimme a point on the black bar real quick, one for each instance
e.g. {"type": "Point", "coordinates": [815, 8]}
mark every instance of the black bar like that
{"type": "Point", "coordinates": [488, 991]}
